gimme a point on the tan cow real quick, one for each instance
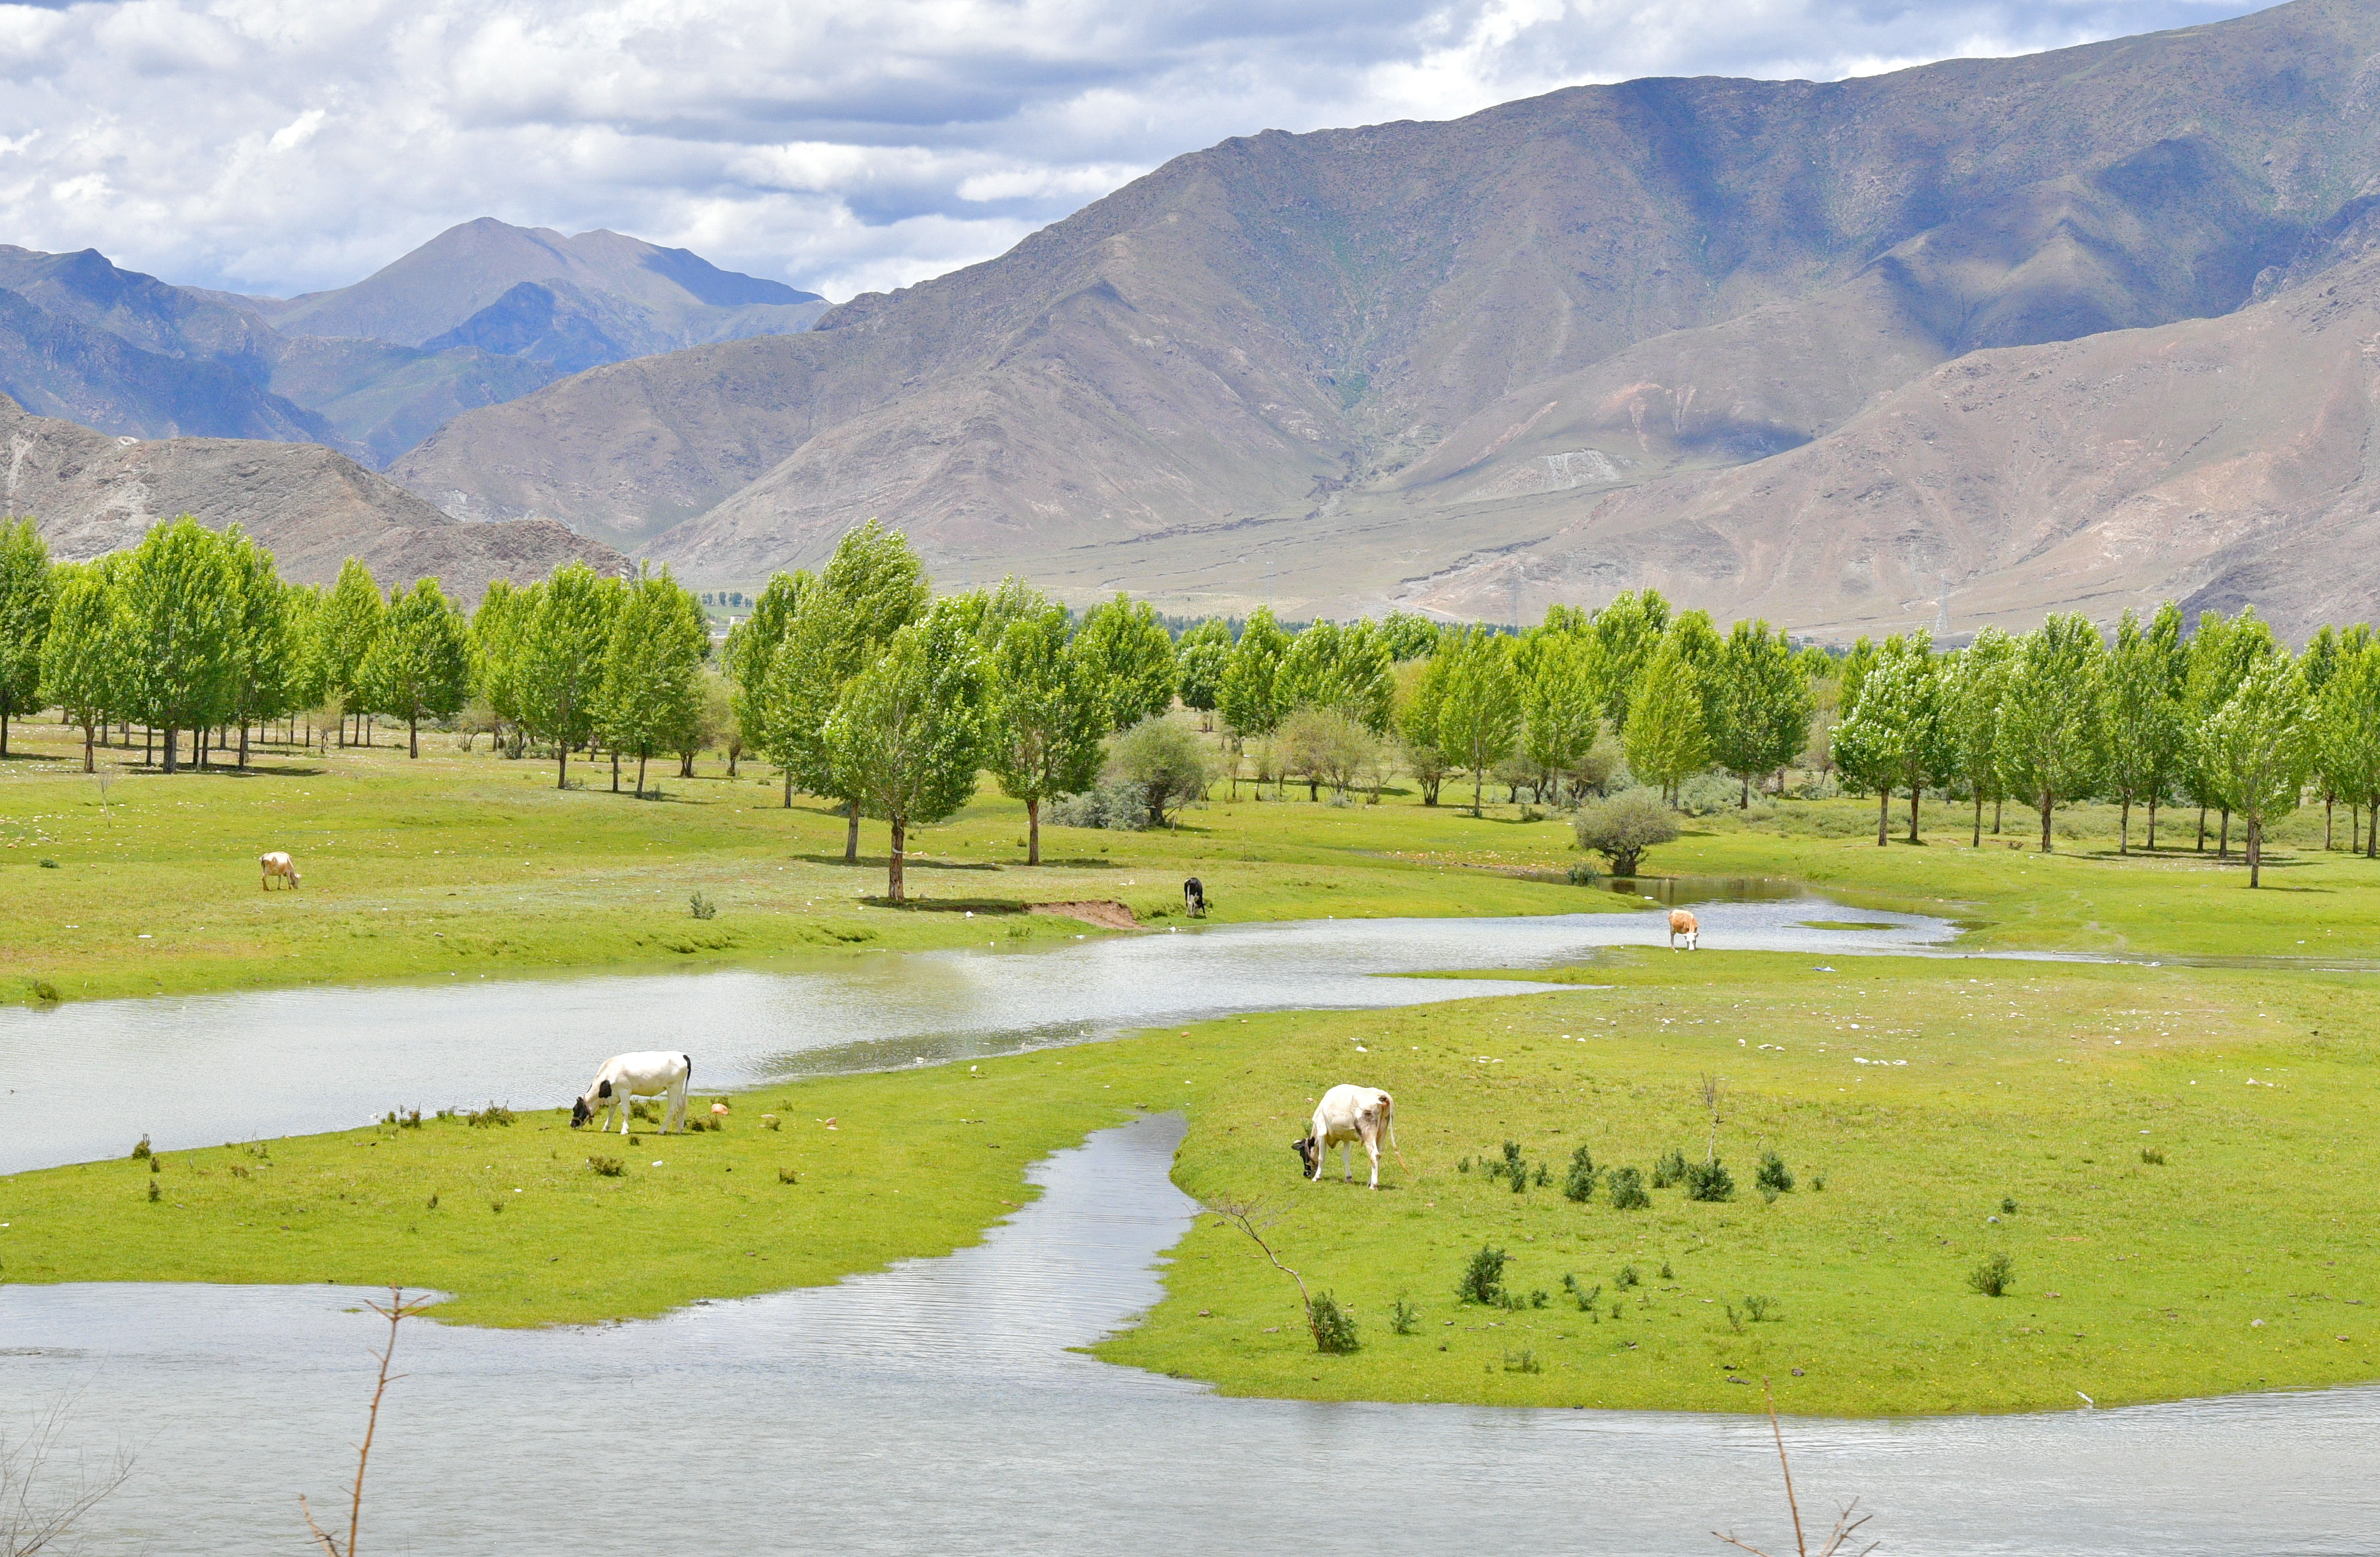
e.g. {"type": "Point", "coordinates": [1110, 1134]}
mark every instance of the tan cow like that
{"type": "Point", "coordinates": [277, 864]}
{"type": "Point", "coordinates": [1685, 924]}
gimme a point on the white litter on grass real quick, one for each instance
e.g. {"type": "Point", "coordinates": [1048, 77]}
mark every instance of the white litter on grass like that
{"type": "Point", "coordinates": [657, 1164]}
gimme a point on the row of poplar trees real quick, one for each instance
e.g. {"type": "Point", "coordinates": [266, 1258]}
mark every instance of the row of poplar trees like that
{"type": "Point", "coordinates": [2225, 719]}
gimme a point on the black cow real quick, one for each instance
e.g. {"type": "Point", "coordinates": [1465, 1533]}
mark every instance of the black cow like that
{"type": "Point", "coordinates": [1194, 898]}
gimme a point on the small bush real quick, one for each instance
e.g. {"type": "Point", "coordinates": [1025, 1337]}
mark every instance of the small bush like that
{"type": "Point", "coordinates": [1404, 1318]}
{"type": "Point", "coordinates": [409, 1120]}
{"type": "Point", "coordinates": [155, 1193]}
{"type": "Point", "coordinates": [787, 1175]}
{"type": "Point", "coordinates": [1584, 875]}
{"type": "Point", "coordinates": [497, 1207]}
{"type": "Point", "coordinates": [1627, 1278]}
{"type": "Point", "coordinates": [1523, 1361]}
{"type": "Point", "coordinates": [1483, 1279]}
{"type": "Point", "coordinates": [140, 1152]}
{"type": "Point", "coordinates": [607, 1167]}
{"type": "Point", "coordinates": [1542, 1177]}
{"type": "Point", "coordinates": [494, 1114]}
{"type": "Point", "coordinates": [704, 909]}
{"type": "Point", "coordinates": [1757, 1309]}
{"type": "Point", "coordinates": [1734, 1322]}
{"type": "Point", "coordinates": [45, 991]}
{"type": "Point", "coordinates": [769, 1122]}
{"type": "Point", "coordinates": [1464, 1166]}
{"type": "Point", "coordinates": [639, 1109]}
{"type": "Point", "coordinates": [2007, 1205]}
{"type": "Point", "coordinates": [1511, 1166]}
{"type": "Point", "coordinates": [49, 864]}
{"type": "Point", "coordinates": [1585, 1297]}
{"type": "Point", "coordinates": [1669, 1169]}
{"type": "Point", "coordinates": [433, 1202]}
{"type": "Point", "coordinates": [1773, 1174]}
{"type": "Point", "coordinates": [1667, 1274]}
{"type": "Point", "coordinates": [156, 1164]}
{"type": "Point", "coordinates": [1623, 827]}
{"type": "Point", "coordinates": [1579, 1183]}
{"type": "Point", "coordinates": [1993, 1276]}
{"type": "Point", "coordinates": [1818, 1181]}
{"type": "Point", "coordinates": [2153, 1155]}
{"type": "Point", "coordinates": [1628, 1191]}
{"type": "Point", "coordinates": [1117, 807]}
{"type": "Point", "coordinates": [1709, 793]}
{"type": "Point", "coordinates": [1333, 1326]}
{"type": "Point", "coordinates": [1710, 1181]}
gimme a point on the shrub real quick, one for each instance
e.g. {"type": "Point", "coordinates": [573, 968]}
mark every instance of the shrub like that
{"type": "Point", "coordinates": [494, 1114]}
{"type": "Point", "coordinates": [1773, 1174]}
{"type": "Point", "coordinates": [1667, 1274]}
{"type": "Point", "coordinates": [769, 1122]}
{"type": "Point", "coordinates": [1584, 875]}
{"type": "Point", "coordinates": [704, 909]}
{"type": "Point", "coordinates": [45, 991]}
{"type": "Point", "coordinates": [156, 1164]}
{"type": "Point", "coordinates": [1628, 1192]}
{"type": "Point", "coordinates": [2007, 1205]}
{"type": "Point", "coordinates": [2153, 1155]}
{"type": "Point", "coordinates": [433, 1202]}
{"type": "Point", "coordinates": [497, 1207]}
{"type": "Point", "coordinates": [1333, 1326]}
{"type": "Point", "coordinates": [1585, 1296]}
{"type": "Point", "coordinates": [49, 864]}
{"type": "Point", "coordinates": [1464, 1166]}
{"type": "Point", "coordinates": [1708, 794]}
{"type": "Point", "coordinates": [1523, 1361]}
{"type": "Point", "coordinates": [1404, 1318]}
{"type": "Point", "coordinates": [1817, 1181]}
{"type": "Point", "coordinates": [409, 1120]}
{"type": "Point", "coordinates": [1483, 1279]}
{"type": "Point", "coordinates": [1710, 1181]}
{"type": "Point", "coordinates": [1670, 1169]}
{"type": "Point", "coordinates": [1623, 827]}
{"type": "Point", "coordinates": [1757, 1309]}
{"type": "Point", "coordinates": [1627, 1278]}
{"type": "Point", "coordinates": [1992, 1277]}
{"type": "Point", "coordinates": [1579, 1183]}
{"type": "Point", "coordinates": [787, 1175]}
{"type": "Point", "coordinates": [140, 1152]}
{"type": "Point", "coordinates": [1115, 806]}
{"type": "Point", "coordinates": [1162, 762]}
{"type": "Point", "coordinates": [1512, 1167]}
{"type": "Point", "coordinates": [607, 1167]}
{"type": "Point", "coordinates": [639, 1109]}
{"type": "Point", "coordinates": [1541, 1177]}
{"type": "Point", "coordinates": [155, 1193]}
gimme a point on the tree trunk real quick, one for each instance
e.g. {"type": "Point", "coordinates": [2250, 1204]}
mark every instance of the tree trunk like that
{"type": "Point", "coordinates": [1033, 831]}
{"type": "Point", "coordinates": [2124, 825]}
{"type": "Point", "coordinates": [90, 759]}
{"type": "Point", "coordinates": [1912, 811]}
{"type": "Point", "coordinates": [148, 745]}
{"type": "Point", "coordinates": [169, 748]}
{"type": "Point", "coordinates": [1313, 787]}
{"type": "Point", "coordinates": [1883, 814]}
{"type": "Point", "coordinates": [685, 764]}
{"type": "Point", "coordinates": [4, 733]}
{"type": "Point", "coordinates": [789, 792]}
{"type": "Point", "coordinates": [243, 746]}
{"type": "Point", "coordinates": [615, 770]}
{"type": "Point", "coordinates": [1998, 801]}
{"type": "Point", "coordinates": [2046, 803]}
{"type": "Point", "coordinates": [2152, 824]}
{"type": "Point", "coordinates": [1745, 802]}
{"type": "Point", "coordinates": [851, 835]}
{"type": "Point", "coordinates": [2223, 839]}
{"type": "Point", "coordinates": [364, 720]}
{"type": "Point", "coordinates": [2255, 849]}
{"type": "Point", "coordinates": [893, 888]}
{"type": "Point", "coordinates": [561, 766]}
{"type": "Point", "coordinates": [640, 775]}
{"type": "Point", "coordinates": [2329, 802]}
{"type": "Point", "coordinates": [2202, 829]}
{"type": "Point", "coordinates": [412, 735]}
{"type": "Point", "coordinates": [1978, 840]}
{"type": "Point", "coordinates": [1477, 777]}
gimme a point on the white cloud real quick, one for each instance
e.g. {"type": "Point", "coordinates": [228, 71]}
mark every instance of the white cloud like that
{"type": "Point", "coordinates": [284, 145]}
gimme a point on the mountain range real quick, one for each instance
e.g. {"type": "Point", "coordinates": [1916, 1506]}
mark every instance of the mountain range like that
{"type": "Point", "coordinates": [2029, 334]}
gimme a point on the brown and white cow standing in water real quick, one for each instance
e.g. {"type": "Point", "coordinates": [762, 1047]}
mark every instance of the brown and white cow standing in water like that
{"type": "Point", "coordinates": [277, 864]}
{"type": "Point", "coordinates": [1345, 1115]}
{"type": "Point", "coordinates": [1685, 924]}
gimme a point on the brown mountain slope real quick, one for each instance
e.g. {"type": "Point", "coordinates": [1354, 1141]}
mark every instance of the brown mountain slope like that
{"type": "Point", "coordinates": [90, 494]}
{"type": "Point", "coordinates": [1275, 369]}
{"type": "Point", "coordinates": [2224, 461]}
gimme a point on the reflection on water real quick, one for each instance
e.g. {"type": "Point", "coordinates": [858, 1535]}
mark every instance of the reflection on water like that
{"type": "Point", "coordinates": [934, 1408]}
{"type": "Point", "coordinates": [85, 1080]}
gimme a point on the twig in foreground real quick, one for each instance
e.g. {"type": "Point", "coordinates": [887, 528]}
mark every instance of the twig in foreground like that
{"type": "Point", "coordinates": [397, 1311]}
{"type": "Point", "coordinates": [1844, 1524]}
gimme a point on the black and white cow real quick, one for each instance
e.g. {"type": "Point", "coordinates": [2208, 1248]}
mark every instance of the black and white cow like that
{"type": "Point", "coordinates": [1194, 898]}
{"type": "Point", "coordinates": [626, 1078]}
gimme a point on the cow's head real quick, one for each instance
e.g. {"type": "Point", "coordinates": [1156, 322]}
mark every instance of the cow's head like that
{"type": "Point", "coordinates": [589, 1105]}
{"type": "Point", "coordinates": [1306, 1151]}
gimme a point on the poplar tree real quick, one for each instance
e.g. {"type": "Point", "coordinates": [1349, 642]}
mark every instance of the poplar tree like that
{"type": "Point", "coordinates": [420, 666]}
{"type": "Point", "coordinates": [1124, 646]}
{"type": "Point", "coordinates": [1973, 689]}
{"type": "Point", "coordinates": [1562, 711]}
{"type": "Point", "coordinates": [2052, 735]}
{"type": "Point", "coordinates": [1408, 634]}
{"type": "Point", "coordinates": [82, 663]}
{"type": "Point", "coordinates": [872, 588]}
{"type": "Point", "coordinates": [1046, 717]}
{"type": "Point", "coordinates": [2349, 721]}
{"type": "Point", "coordinates": [179, 594]}
{"type": "Point", "coordinates": [906, 735]}
{"type": "Point", "coordinates": [1200, 661]}
{"type": "Point", "coordinates": [1668, 736]}
{"type": "Point", "coordinates": [25, 595]}
{"type": "Point", "coordinates": [563, 642]}
{"type": "Point", "coordinates": [1479, 717]}
{"type": "Point", "coordinates": [1421, 694]}
{"type": "Point", "coordinates": [1249, 697]}
{"type": "Point", "coordinates": [350, 622]}
{"type": "Point", "coordinates": [752, 648]}
{"type": "Point", "coordinates": [2256, 747]}
{"type": "Point", "coordinates": [651, 695]}
{"type": "Point", "coordinates": [499, 644]}
{"type": "Point", "coordinates": [2143, 720]}
{"type": "Point", "coordinates": [2221, 655]}
{"type": "Point", "coordinates": [1628, 632]}
{"type": "Point", "coordinates": [1760, 705]}
{"type": "Point", "coordinates": [261, 639]}
{"type": "Point", "coordinates": [1345, 670]}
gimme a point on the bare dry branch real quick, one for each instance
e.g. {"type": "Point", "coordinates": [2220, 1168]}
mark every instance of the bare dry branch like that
{"type": "Point", "coordinates": [1844, 1524]}
{"type": "Point", "coordinates": [398, 1309]}
{"type": "Point", "coordinates": [1253, 1217]}
{"type": "Point", "coordinates": [30, 1521]}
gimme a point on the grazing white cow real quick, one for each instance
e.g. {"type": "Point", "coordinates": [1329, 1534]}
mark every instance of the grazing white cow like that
{"type": "Point", "coordinates": [1685, 924]}
{"type": "Point", "coordinates": [1345, 1115]}
{"type": "Point", "coordinates": [626, 1078]}
{"type": "Point", "coordinates": [276, 864]}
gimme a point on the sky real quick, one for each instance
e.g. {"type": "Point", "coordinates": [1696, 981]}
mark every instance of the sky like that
{"type": "Point", "coordinates": [281, 146]}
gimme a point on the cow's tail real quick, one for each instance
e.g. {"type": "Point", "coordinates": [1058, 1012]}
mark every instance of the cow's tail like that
{"type": "Point", "coordinates": [1393, 1131]}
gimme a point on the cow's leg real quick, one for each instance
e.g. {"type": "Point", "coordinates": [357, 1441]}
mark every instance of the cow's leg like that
{"type": "Point", "coordinates": [1347, 1161]}
{"type": "Point", "coordinates": [677, 1105]}
{"type": "Point", "coordinates": [1372, 1146]}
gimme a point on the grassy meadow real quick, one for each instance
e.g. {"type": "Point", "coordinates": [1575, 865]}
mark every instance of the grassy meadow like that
{"type": "Point", "coordinates": [1926, 1095]}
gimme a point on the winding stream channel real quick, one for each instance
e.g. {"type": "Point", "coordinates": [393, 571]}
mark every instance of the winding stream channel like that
{"type": "Point", "coordinates": [936, 1407]}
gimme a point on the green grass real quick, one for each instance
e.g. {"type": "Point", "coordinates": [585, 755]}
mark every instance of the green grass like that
{"type": "Point", "coordinates": [2133, 1281]}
